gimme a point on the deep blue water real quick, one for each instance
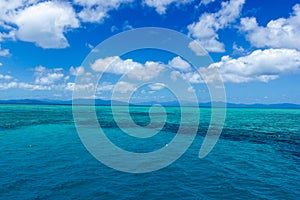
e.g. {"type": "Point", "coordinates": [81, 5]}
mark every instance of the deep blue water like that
{"type": "Point", "coordinates": [42, 157]}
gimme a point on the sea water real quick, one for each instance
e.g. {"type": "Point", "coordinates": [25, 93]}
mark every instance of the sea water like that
{"type": "Point", "coordinates": [42, 157]}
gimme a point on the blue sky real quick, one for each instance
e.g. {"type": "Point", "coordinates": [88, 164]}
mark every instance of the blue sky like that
{"type": "Point", "coordinates": [254, 44]}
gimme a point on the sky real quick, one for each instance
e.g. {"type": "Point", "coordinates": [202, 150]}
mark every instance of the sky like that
{"type": "Point", "coordinates": [254, 45]}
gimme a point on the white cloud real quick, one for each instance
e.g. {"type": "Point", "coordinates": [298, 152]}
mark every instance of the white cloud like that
{"type": "Point", "coordinates": [49, 78]}
{"type": "Point", "coordinates": [196, 47]}
{"type": "Point", "coordinates": [96, 10]}
{"type": "Point", "coordinates": [149, 71]}
{"type": "Point", "coordinates": [112, 4]}
{"type": "Point", "coordinates": [5, 77]}
{"type": "Point", "coordinates": [40, 69]}
{"type": "Point", "coordinates": [161, 5]}
{"type": "Point", "coordinates": [205, 2]}
{"type": "Point", "coordinates": [192, 77]}
{"type": "Point", "coordinates": [9, 35]}
{"type": "Point", "coordinates": [114, 29]}
{"type": "Point", "coordinates": [174, 75]}
{"type": "Point", "coordinates": [157, 86]}
{"type": "Point", "coordinates": [8, 9]}
{"type": "Point", "coordinates": [124, 87]}
{"type": "Point", "coordinates": [45, 24]}
{"type": "Point", "coordinates": [87, 77]}
{"type": "Point", "coordinates": [78, 71]}
{"type": "Point", "coordinates": [23, 85]}
{"type": "Point", "coordinates": [90, 46]}
{"type": "Point", "coordinates": [92, 14]}
{"type": "Point", "coordinates": [70, 86]}
{"type": "Point", "coordinates": [46, 76]}
{"type": "Point", "coordinates": [260, 65]}
{"type": "Point", "coordinates": [238, 49]}
{"type": "Point", "coordinates": [106, 86]}
{"type": "Point", "coordinates": [126, 26]}
{"type": "Point", "coordinates": [114, 65]}
{"type": "Point", "coordinates": [205, 30]}
{"type": "Point", "coordinates": [279, 33]}
{"type": "Point", "coordinates": [1, 64]}
{"type": "Point", "coordinates": [180, 64]}
{"type": "Point", "coordinates": [10, 85]}
{"type": "Point", "coordinates": [41, 22]}
{"type": "Point", "coordinates": [28, 86]}
{"type": "Point", "coordinates": [45, 79]}
{"type": "Point", "coordinates": [134, 70]}
{"type": "Point", "coordinates": [102, 64]}
{"type": "Point", "coordinates": [4, 52]}
{"type": "Point", "coordinates": [191, 89]}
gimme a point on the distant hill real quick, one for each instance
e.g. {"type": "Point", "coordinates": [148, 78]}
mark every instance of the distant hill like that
{"type": "Point", "coordinates": [234, 105]}
{"type": "Point", "coordinates": [101, 102]}
{"type": "Point", "coordinates": [98, 102]}
{"type": "Point", "coordinates": [23, 101]}
{"type": "Point", "coordinates": [282, 105]}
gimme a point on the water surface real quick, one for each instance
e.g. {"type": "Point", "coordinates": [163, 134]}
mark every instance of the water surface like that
{"type": "Point", "coordinates": [42, 157]}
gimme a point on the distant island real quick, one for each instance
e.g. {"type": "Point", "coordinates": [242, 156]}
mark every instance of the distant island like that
{"type": "Point", "coordinates": [101, 102]}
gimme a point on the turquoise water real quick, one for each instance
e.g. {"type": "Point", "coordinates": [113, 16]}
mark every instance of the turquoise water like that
{"type": "Point", "coordinates": [42, 157]}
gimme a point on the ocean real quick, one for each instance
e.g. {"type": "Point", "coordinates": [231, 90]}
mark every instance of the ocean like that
{"type": "Point", "coordinates": [256, 157]}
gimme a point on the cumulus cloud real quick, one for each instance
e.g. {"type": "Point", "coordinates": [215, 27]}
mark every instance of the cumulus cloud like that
{"type": "Point", "coordinates": [126, 26]}
{"type": "Point", "coordinates": [4, 52]}
{"type": "Point", "coordinates": [161, 5]}
{"type": "Point", "coordinates": [45, 79]}
{"type": "Point", "coordinates": [149, 71]}
{"type": "Point", "coordinates": [205, 2]}
{"type": "Point", "coordinates": [54, 79]}
{"type": "Point", "coordinates": [191, 89]}
{"type": "Point", "coordinates": [78, 71]}
{"type": "Point", "coordinates": [46, 76]}
{"type": "Point", "coordinates": [134, 70]}
{"type": "Point", "coordinates": [114, 65]}
{"type": "Point", "coordinates": [124, 87]}
{"type": "Point", "coordinates": [23, 85]}
{"type": "Point", "coordinates": [157, 86]}
{"type": "Point", "coordinates": [205, 30]}
{"type": "Point", "coordinates": [10, 85]}
{"type": "Point", "coordinates": [41, 22]}
{"type": "Point", "coordinates": [45, 24]}
{"type": "Point", "coordinates": [70, 86]}
{"type": "Point", "coordinates": [50, 78]}
{"type": "Point", "coordinates": [238, 49]}
{"type": "Point", "coordinates": [106, 86]}
{"type": "Point", "coordinates": [196, 47]}
{"type": "Point", "coordinates": [279, 33]}
{"type": "Point", "coordinates": [8, 9]}
{"type": "Point", "coordinates": [192, 77]}
{"type": "Point", "coordinates": [5, 77]}
{"type": "Point", "coordinates": [96, 11]}
{"type": "Point", "coordinates": [260, 65]}
{"type": "Point", "coordinates": [180, 64]}
{"type": "Point", "coordinates": [28, 86]}
{"type": "Point", "coordinates": [92, 14]}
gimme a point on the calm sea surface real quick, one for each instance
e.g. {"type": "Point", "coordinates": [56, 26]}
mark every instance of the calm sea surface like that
{"type": "Point", "coordinates": [42, 157]}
